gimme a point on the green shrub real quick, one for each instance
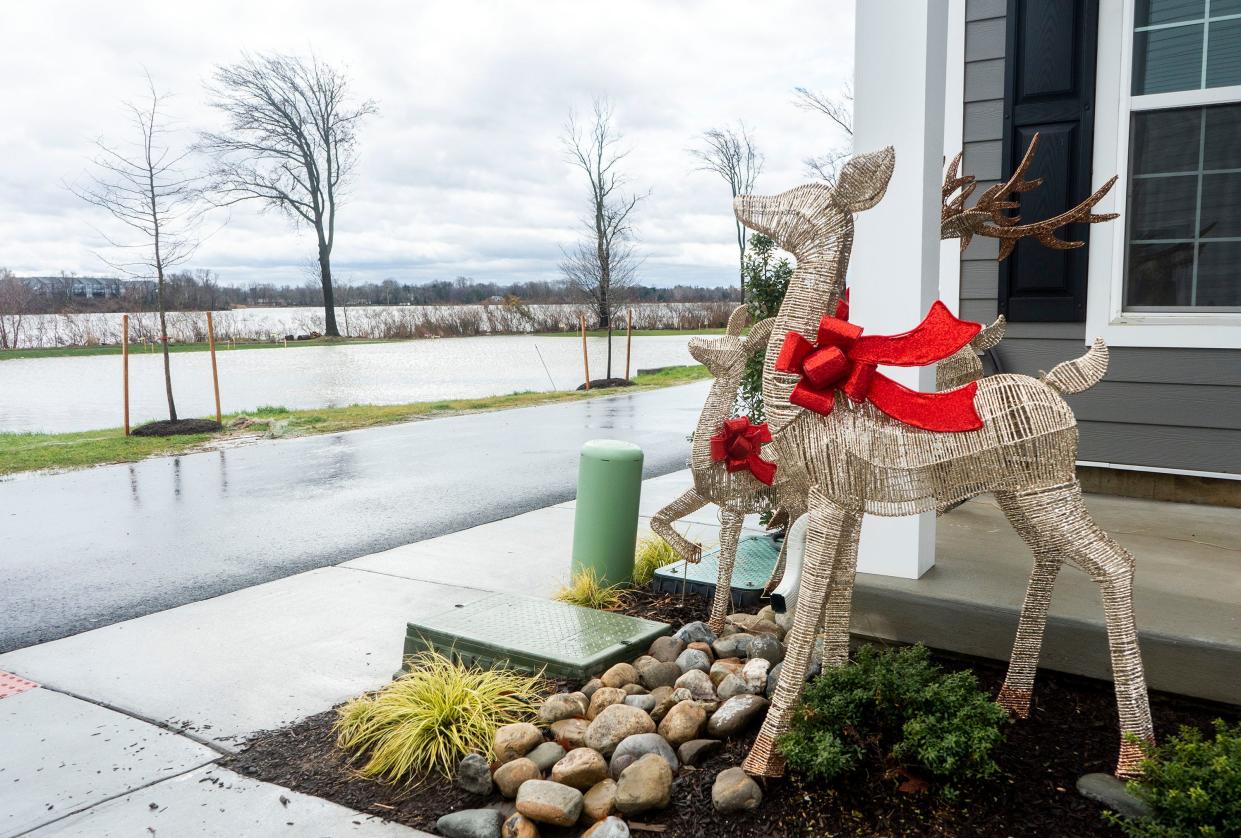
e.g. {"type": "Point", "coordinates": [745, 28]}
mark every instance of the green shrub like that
{"type": "Point", "coordinates": [651, 555]}
{"type": "Point", "coordinates": [1192, 785]}
{"type": "Point", "coordinates": [900, 707]}
{"type": "Point", "coordinates": [766, 281]}
{"type": "Point", "coordinates": [431, 717]}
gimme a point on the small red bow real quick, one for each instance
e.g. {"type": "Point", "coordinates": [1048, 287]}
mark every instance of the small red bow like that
{"type": "Point", "coordinates": [842, 359]}
{"type": "Point", "coordinates": [739, 444]}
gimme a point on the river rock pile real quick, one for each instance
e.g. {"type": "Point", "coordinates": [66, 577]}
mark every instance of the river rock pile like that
{"type": "Point", "coordinates": [612, 749]}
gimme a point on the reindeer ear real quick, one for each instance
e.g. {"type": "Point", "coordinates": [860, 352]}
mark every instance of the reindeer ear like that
{"type": "Point", "coordinates": [863, 180]}
{"type": "Point", "coordinates": [758, 336]}
{"type": "Point", "coordinates": [737, 320]}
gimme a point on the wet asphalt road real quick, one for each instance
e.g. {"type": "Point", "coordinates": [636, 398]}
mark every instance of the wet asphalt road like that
{"type": "Point", "coordinates": [89, 548]}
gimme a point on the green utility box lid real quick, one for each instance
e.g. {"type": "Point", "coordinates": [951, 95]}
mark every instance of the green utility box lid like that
{"type": "Point", "coordinates": [532, 634]}
{"type": "Point", "coordinates": [756, 559]}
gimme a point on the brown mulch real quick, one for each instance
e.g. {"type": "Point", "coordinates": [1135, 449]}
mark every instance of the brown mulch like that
{"type": "Point", "coordinates": [1071, 731]}
{"type": "Point", "coordinates": [182, 426]}
{"type": "Point", "coordinates": [604, 383]}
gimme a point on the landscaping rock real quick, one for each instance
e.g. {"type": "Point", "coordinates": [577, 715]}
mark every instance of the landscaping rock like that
{"type": "Point", "coordinates": [699, 685]}
{"type": "Point", "coordinates": [645, 660]}
{"type": "Point", "coordinates": [564, 706]}
{"type": "Point", "coordinates": [754, 673]}
{"type": "Point", "coordinates": [680, 694]}
{"type": "Point", "coordinates": [768, 647]}
{"type": "Point", "coordinates": [698, 751]}
{"type": "Point", "coordinates": [766, 613]}
{"type": "Point", "coordinates": [695, 632]}
{"type": "Point", "coordinates": [474, 774]}
{"type": "Point", "coordinates": [756, 625]}
{"type": "Point", "coordinates": [694, 659]}
{"type": "Point", "coordinates": [510, 776]}
{"type": "Point", "coordinates": [705, 648]}
{"type": "Point", "coordinates": [548, 802]}
{"type": "Point", "coordinates": [600, 801]}
{"type": "Point", "coordinates": [639, 745]}
{"type": "Point", "coordinates": [645, 703]}
{"type": "Point", "coordinates": [634, 689]}
{"type": "Point", "coordinates": [735, 791]}
{"type": "Point", "coordinates": [735, 715]}
{"type": "Point", "coordinates": [785, 620]}
{"type": "Point", "coordinates": [733, 685]}
{"type": "Point", "coordinates": [733, 645]}
{"type": "Point", "coordinates": [614, 724]}
{"type": "Point", "coordinates": [644, 785]}
{"type": "Point", "coordinates": [684, 722]}
{"type": "Point", "coordinates": [519, 826]}
{"type": "Point", "coordinates": [589, 689]}
{"type": "Point", "coordinates": [721, 669]}
{"type": "Point", "coordinates": [666, 648]}
{"type": "Point", "coordinates": [663, 701]}
{"type": "Point", "coordinates": [1112, 793]}
{"type": "Point", "coordinates": [619, 675]}
{"type": "Point", "coordinates": [581, 768]}
{"type": "Point", "coordinates": [603, 697]}
{"type": "Point", "coordinates": [612, 827]}
{"type": "Point", "coordinates": [471, 823]}
{"type": "Point", "coordinates": [515, 740]}
{"type": "Point", "coordinates": [546, 755]}
{"type": "Point", "coordinates": [659, 674]}
{"type": "Point", "coordinates": [570, 733]}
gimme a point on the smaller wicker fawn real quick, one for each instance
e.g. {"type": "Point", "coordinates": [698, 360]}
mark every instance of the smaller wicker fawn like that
{"type": "Point", "coordinates": [738, 493]}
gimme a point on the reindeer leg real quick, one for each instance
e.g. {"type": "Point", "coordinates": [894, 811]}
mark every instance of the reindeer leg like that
{"type": "Point", "coordinates": [827, 522]}
{"type": "Point", "coordinates": [840, 598]}
{"type": "Point", "coordinates": [1018, 687]}
{"type": "Point", "coordinates": [1062, 518]}
{"type": "Point", "coordinates": [730, 532]}
{"type": "Point", "coordinates": [661, 524]}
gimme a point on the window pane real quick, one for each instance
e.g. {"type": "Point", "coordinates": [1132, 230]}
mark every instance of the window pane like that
{"type": "Point", "coordinates": [1221, 206]}
{"type": "Point", "coordinates": [1159, 274]}
{"type": "Point", "coordinates": [1166, 141]}
{"type": "Point", "coordinates": [1167, 59]}
{"type": "Point", "coordinates": [1224, 53]}
{"type": "Point", "coordinates": [1163, 207]}
{"type": "Point", "coordinates": [1222, 149]}
{"type": "Point", "coordinates": [1225, 7]}
{"type": "Point", "coordinates": [1167, 11]}
{"type": "Point", "coordinates": [1218, 280]}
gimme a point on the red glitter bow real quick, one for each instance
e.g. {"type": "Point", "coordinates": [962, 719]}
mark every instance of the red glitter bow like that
{"type": "Point", "coordinates": [738, 445]}
{"type": "Point", "coordinates": [841, 359]}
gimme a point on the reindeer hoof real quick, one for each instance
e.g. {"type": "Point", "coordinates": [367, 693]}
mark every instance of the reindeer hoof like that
{"type": "Point", "coordinates": [1016, 702]}
{"type": "Point", "coordinates": [1129, 763]}
{"type": "Point", "coordinates": [769, 766]}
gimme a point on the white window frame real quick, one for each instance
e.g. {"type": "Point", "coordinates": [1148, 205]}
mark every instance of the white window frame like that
{"type": "Point", "coordinates": [1105, 315]}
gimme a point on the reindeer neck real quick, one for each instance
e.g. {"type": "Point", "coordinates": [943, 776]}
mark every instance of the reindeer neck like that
{"type": "Point", "coordinates": [717, 408]}
{"type": "Point", "coordinates": [817, 284]}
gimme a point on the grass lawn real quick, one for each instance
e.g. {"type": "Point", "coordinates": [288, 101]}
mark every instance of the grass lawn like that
{"type": "Point", "coordinates": [140, 349]}
{"type": "Point", "coordinates": [29, 452]}
{"type": "Point", "coordinates": [638, 333]}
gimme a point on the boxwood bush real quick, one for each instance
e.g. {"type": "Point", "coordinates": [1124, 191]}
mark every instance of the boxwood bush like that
{"type": "Point", "coordinates": [1192, 785]}
{"type": "Point", "coordinates": [900, 708]}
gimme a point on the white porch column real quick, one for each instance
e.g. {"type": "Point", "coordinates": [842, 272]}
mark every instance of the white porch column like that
{"type": "Point", "coordinates": [900, 55]}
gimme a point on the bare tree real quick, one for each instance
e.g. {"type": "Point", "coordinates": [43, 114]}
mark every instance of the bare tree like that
{"type": "Point", "coordinates": [603, 262]}
{"type": "Point", "coordinates": [839, 109]}
{"type": "Point", "coordinates": [291, 144]}
{"type": "Point", "coordinates": [732, 154]}
{"type": "Point", "coordinates": [16, 299]}
{"type": "Point", "coordinates": [157, 204]}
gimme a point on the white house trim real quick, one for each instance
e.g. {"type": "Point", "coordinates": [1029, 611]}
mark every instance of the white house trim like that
{"type": "Point", "coordinates": [954, 138]}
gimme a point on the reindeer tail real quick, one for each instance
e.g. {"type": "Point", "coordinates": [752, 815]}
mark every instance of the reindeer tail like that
{"type": "Point", "coordinates": [990, 336]}
{"type": "Point", "coordinates": [1081, 373]}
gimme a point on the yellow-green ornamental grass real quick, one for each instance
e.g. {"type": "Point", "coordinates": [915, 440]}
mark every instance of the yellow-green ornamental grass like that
{"type": "Point", "coordinates": [431, 717]}
{"type": "Point", "coordinates": [652, 554]}
{"type": "Point", "coordinates": [588, 591]}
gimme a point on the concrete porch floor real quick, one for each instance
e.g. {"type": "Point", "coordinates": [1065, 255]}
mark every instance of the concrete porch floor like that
{"type": "Point", "coordinates": [1187, 601]}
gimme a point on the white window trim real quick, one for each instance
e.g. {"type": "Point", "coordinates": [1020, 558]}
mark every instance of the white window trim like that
{"type": "Point", "coordinates": [1113, 106]}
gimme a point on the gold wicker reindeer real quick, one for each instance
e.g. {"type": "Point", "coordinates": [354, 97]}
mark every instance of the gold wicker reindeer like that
{"type": "Point", "coordinates": [1012, 435]}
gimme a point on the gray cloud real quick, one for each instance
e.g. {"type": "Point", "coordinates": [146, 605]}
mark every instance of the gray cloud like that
{"type": "Point", "coordinates": [462, 171]}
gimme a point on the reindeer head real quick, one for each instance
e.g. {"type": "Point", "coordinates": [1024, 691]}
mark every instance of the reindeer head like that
{"type": "Point", "coordinates": [807, 216]}
{"type": "Point", "coordinates": [725, 356]}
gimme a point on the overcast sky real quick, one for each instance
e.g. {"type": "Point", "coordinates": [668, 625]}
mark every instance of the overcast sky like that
{"type": "Point", "coordinates": [461, 170]}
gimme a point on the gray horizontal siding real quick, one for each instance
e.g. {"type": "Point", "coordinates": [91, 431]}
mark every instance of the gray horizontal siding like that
{"type": "Point", "coordinates": [1164, 408]}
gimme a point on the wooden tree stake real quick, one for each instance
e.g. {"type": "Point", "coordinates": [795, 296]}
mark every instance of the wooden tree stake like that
{"type": "Point", "coordinates": [215, 375]}
{"type": "Point", "coordinates": [585, 357]}
{"type": "Point", "coordinates": [125, 366]}
{"type": "Point", "coordinates": [628, 344]}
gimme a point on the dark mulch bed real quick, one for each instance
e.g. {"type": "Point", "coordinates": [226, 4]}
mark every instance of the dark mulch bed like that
{"type": "Point", "coordinates": [1071, 731]}
{"type": "Point", "coordinates": [600, 383]}
{"type": "Point", "coordinates": [182, 426]}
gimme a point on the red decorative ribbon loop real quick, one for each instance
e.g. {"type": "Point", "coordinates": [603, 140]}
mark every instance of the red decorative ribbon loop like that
{"type": "Point", "coordinates": [844, 360]}
{"type": "Point", "coordinates": [739, 444]}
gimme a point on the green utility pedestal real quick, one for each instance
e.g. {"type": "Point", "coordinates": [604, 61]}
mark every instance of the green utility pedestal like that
{"type": "Point", "coordinates": [605, 526]}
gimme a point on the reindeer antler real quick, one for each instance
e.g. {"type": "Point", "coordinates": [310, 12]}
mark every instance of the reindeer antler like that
{"type": "Point", "coordinates": [957, 221]}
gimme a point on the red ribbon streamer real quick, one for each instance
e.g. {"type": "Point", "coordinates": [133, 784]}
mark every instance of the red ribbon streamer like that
{"type": "Point", "coordinates": [738, 445]}
{"type": "Point", "coordinates": [841, 359]}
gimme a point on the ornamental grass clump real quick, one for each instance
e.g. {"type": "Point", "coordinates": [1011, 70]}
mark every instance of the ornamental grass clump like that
{"type": "Point", "coordinates": [431, 717]}
{"type": "Point", "coordinates": [588, 591]}
{"type": "Point", "coordinates": [651, 555]}
{"type": "Point", "coordinates": [1191, 784]}
{"type": "Point", "coordinates": [900, 709]}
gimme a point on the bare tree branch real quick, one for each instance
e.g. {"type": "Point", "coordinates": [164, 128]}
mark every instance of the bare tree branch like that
{"type": "Point", "coordinates": [732, 154]}
{"type": "Point", "coordinates": [839, 109]}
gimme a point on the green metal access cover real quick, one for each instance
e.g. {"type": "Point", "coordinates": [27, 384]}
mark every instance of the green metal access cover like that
{"type": "Point", "coordinates": [533, 634]}
{"type": "Point", "coordinates": [756, 559]}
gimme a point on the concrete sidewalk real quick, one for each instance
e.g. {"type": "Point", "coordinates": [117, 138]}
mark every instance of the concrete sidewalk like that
{"type": "Point", "coordinates": [124, 733]}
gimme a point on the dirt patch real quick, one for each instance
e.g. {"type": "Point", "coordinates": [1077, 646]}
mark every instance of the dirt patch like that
{"type": "Point", "coordinates": [182, 426]}
{"type": "Point", "coordinates": [604, 383]}
{"type": "Point", "coordinates": [1072, 730]}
